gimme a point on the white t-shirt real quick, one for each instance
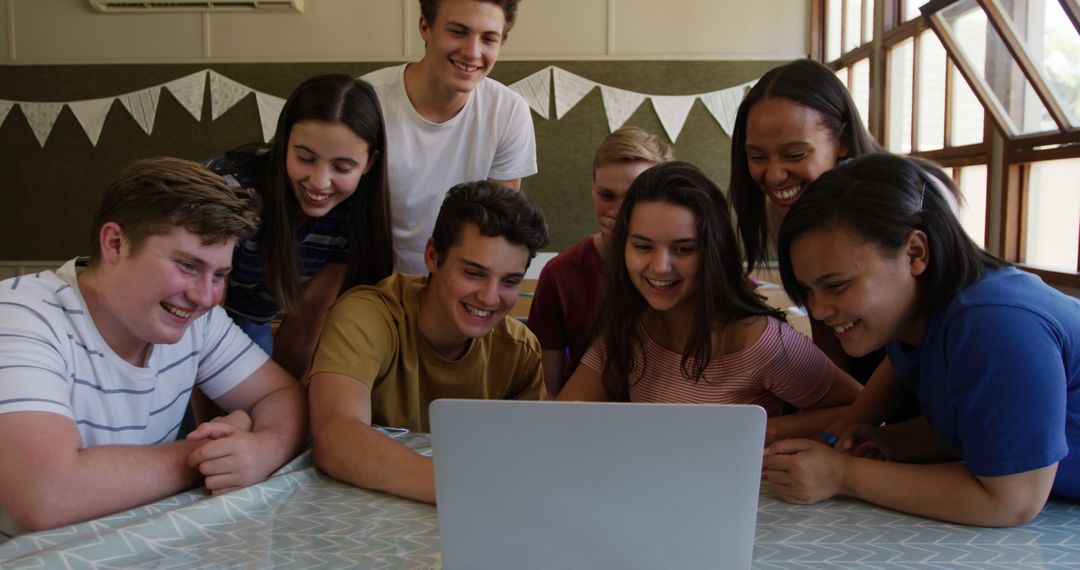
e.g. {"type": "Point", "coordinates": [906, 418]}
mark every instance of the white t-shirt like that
{"type": "Point", "coordinates": [492, 137]}
{"type": "Point", "coordinates": [53, 359]}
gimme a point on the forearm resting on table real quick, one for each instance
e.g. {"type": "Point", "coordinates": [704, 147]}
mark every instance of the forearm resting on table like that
{"type": "Point", "coordinates": [804, 424]}
{"type": "Point", "coordinates": [281, 419]}
{"type": "Point", "coordinates": [352, 451]}
{"type": "Point", "coordinates": [53, 486]}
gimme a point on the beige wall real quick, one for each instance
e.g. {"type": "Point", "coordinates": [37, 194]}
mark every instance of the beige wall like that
{"type": "Point", "coordinates": [70, 32]}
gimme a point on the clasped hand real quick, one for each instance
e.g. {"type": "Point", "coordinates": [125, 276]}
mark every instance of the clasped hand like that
{"type": "Point", "coordinates": [228, 458]}
{"type": "Point", "coordinates": [804, 471]}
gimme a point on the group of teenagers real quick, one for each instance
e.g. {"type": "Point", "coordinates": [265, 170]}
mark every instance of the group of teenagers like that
{"type": "Point", "coordinates": [393, 291]}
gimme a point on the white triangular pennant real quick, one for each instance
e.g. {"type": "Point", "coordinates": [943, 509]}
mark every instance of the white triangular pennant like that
{"type": "Point", "coordinates": [42, 117]}
{"type": "Point", "coordinates": [5, 108]}
{"type": "Point", "coordinates": [189, 91]}
{"type": "Point", "coordinates": [536, 90]}
{"type": "Point", "coordinates": [269, 111]}
{"type": "Point", "coordinates": [91, 115]}
{"type": "Point", "coordinates": [723, 105]}
{"type": "Point", "coordinates": [569, 90]}
{"type": "Point", "coordinates": [224, 93]}
{"type": "Point", "coordinates": [619, 104]}
{"type": "Point", "coordinates": [673, 111]}
{"type": "Point", "coordinates": [142, 105]}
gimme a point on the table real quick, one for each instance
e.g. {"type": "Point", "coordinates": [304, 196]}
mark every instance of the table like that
{"type": "Point", "coordinates": [301, 518]}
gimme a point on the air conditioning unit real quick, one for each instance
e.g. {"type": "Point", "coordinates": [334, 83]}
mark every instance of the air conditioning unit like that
{"type": "Point", "coordinates": [153, 6]}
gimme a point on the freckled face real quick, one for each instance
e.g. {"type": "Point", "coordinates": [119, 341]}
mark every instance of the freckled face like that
{"type": "Point", "coordinates": [788, 146]}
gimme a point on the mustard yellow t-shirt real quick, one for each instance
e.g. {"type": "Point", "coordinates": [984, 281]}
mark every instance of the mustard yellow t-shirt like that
{"type": "Point", "coordinates": [372, 334]}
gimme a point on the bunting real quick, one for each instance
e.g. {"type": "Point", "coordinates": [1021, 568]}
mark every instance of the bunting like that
{"type": "Point", "coordinates": [536, 89]}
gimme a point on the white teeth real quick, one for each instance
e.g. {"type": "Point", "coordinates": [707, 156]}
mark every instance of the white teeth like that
{"type": "Point", "coordinates": [463, 67]}
{"type": "Point", "coordinates": [840, 329]}
{"type": "Point", "coordinates": [789, 193]}
{"type": "Point", "coordinates": [317, 197]}
{"type": "Point", "coordinates": [477, 312]}
{"type": "Point", "coordinates": [660, 284]}
{"type": "Point", "coordinates": [176, 311]}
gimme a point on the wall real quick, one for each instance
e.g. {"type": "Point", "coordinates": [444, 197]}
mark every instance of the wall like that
{"type": "Point", "coordinates": [62, 50]}
{"type": "Point", "coordinates": [70, 32]}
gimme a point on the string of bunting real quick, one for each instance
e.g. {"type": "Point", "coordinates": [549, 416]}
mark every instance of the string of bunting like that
{"type": "Point", "coordinates": [225, 93]}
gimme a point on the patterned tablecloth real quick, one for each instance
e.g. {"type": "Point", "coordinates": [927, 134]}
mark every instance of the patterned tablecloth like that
{"type": "Point", "coordinates": [301, 518]}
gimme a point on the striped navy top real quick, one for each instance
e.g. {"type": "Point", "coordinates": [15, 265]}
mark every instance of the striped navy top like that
{"type": "Point", "coordinates": [320, 240]}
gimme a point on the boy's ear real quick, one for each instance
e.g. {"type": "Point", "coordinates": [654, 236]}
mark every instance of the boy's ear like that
{"type": "Point", "coordinates": [431, 256]}
{"type": "Point", "coordinates": [112, 241]}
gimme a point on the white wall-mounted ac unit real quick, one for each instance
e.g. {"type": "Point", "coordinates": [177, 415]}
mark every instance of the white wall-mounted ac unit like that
{"type": "Point", "coordinates": [152, 6]}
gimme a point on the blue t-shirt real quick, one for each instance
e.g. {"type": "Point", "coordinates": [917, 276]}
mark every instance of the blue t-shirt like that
{"type": "Point", "coordinates": [319, 240]}
{"type": "Point", "coordinates": [998, 377]}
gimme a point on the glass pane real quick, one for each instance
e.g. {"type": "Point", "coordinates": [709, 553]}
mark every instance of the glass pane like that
{"type": "Point", "coordinates": [842, 73]}
{"type": "Point", "coordinates": [852, 24]}
{"type": "Point", "coordinates": [911, 9]}
{"type": "Point", "coordinates": [868, 21]}
{"type": "Point", "coordinates": [972, 180]}
{"type": "Point", "coordinates": [899, 85]}
{"type": "Point", "coordinates": [860, 87]}
{"type": "Point", "coordinates": [1053, 45]}
{"type": "Point", "coordinates": [833, 18]}
{"type": "Point", "coordinates": [993, 62]}
{"type": "Point", "coordinates": [931, 131]}
{"type": "Point", "coordinates": [1053, 217]}
{"type": "Point", "coordinates": [967, 113]}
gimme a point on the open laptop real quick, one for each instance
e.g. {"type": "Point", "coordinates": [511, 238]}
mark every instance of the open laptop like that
{"type": "Point", "coordinates": [596, 485]}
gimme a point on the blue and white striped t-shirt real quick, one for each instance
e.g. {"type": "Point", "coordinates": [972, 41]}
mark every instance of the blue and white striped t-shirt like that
{"type": "Point", "coordinates": [53, 359]}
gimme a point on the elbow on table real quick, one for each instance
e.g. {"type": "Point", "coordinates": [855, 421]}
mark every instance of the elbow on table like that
{"type": "Point", "coordinates": [1010, 515]}
{"type": "Point", "coordinates": [39, 511]}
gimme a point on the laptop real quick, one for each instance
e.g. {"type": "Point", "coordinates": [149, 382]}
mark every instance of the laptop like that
{"type": "Point", "coordinates": [596, 485]}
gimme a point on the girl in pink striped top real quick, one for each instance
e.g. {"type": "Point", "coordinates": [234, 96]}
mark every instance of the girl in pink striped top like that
{"type": "Point", "coordinates": [681, 323]}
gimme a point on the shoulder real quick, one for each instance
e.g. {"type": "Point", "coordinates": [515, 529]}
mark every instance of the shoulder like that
{"type": "Point", "coordinates": [505, 103]}
{"type": "Point", "coordinates": [571, 259]}
{"type": "Point", "coordinates": [512, 334]}
{"type": "Point", "coordinates": [394, 296]}
{"type": "Point", "coordinates": [1007, 298]}
{"type": "Point", "coordinates": [45, 296]}
{"type": "Point", "coordinates": [384, 76]}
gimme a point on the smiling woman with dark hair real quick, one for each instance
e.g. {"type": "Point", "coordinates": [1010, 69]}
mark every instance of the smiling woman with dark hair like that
{"type": "Point", "coordinates": [993, 354]}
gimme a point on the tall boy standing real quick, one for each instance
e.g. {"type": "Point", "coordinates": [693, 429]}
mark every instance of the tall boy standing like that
{"type": "Point", "coordinates": [447, 122]}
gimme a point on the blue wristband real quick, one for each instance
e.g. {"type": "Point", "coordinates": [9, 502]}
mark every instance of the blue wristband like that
{"type": "Point", "coordinates": [828, 438]}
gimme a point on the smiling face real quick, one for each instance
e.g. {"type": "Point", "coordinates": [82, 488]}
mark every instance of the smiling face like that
{"type": "Point", "coordinates": [472, 290]}
{"type": "Point", "coordinates": [463, 42]}
{"type": "Point", "coordinates": [153, 295]}
{"type": "Point", "coordinates": [866, 295]}
{"type": "Point", "coordinates": [324, 163]}
{"type": "Point", "coordinates": [663, 255]}
{"type": "Point", "coordinates": [788, 146]}
{"type": "Point", "coordinates": [611, 180]}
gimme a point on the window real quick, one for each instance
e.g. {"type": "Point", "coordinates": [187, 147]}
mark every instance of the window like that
{"type": "Point", "coordinates": [989, 89]}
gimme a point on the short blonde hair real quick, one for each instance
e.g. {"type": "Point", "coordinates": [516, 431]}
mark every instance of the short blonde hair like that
{"type": "Point", "coordinates": [631, 144]}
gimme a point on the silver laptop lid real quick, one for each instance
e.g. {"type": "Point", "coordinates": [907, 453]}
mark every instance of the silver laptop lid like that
{"type": "Point", "coordinates": [596, 485]}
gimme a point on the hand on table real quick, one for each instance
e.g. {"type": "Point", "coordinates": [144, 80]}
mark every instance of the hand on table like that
{"type": "Point", "coordinates": [863, 440]}
{"type": "Point", "coordinates": [229, 458]}
{"type": "Point", "coordinates": [804, 471]}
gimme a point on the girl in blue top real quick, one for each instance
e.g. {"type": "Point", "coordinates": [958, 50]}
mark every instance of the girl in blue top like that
{"type": "Point", "coordinates": [325, 215]}
{"type": "Point", "coordinates": [993, 354]}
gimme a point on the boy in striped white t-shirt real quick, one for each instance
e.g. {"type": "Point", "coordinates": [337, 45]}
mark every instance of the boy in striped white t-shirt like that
{"type": "Point", "coordinates": [96, 366]}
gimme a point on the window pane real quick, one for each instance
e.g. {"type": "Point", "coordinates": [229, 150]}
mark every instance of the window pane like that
{"type": "Point", "coordinates": [993, 62]}
{"type": "Point", "coordinates": [1053, 216]}
{"type": "Point", "coordinates": [972, 181]}
{"type": "Point", "coordinates": [1054, 46]}
{"type": "Point", "coordinates": [899, 96]}
{"type": "Point", "coordinates": [967, 113]}
{"type": "Point", "coordinates": [868, 21]}
{"type": "Point", "coordinates": [911, 9]}
{"type": "Point", "coordinates": [842, 73]}
{"type": "Point", "coordinates": [833, 18]}
{"type": "Point", "coordinates": [860, 87]}
{"type": "Point", "coordinates": [852, 24]}
{"type": "Point", "coordinates": [931, 131]}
